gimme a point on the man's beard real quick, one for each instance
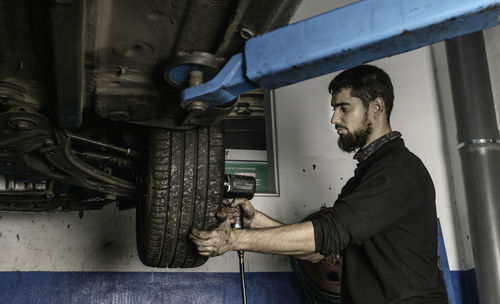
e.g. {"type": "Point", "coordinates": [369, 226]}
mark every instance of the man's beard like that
{"type": "Point", "coordinates": [352, 141]}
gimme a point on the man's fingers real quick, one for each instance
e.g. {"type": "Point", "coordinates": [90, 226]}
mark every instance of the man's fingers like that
{"type": "Point", "coordinates": [202, 245]}
{"type": "Point", "coordinates": [195, 239]}
{"type": "Point", "coordinates": [226, 202]}
{"type": "Point", "coordinates": [208, 251]}
{"type": "Point", "coordinates": [238, 202]}
{"type": "Point", "coordinates": [227, 211]}
{"type": "Point", "coordinates": [226, 222]}
{"type": "Point", "coordinates": [202, 235]}
{"type": "Point", "coordinates": [243, 202]}
{"type": "Point", "coordinates": [221, 215]}
{"type": "Point", "coordinates": [246, 207]}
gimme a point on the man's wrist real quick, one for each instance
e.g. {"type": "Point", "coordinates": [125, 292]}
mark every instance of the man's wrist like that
{"type": "Point", "coordinates": [256, 220]}
{"type": "Point", "coordinates": [261, 220]}
{"type": "Point", "coordinates": [234, 244]}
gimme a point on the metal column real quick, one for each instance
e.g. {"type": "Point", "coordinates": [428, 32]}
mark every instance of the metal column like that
{"type": "Point", "coordinates": [477, 133]}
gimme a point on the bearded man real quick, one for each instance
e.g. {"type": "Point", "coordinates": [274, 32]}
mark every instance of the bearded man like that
{"type": "Point", "coordinates": [383, 223]}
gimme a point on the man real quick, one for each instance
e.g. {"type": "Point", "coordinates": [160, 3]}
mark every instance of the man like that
{"type": "Point", "coordinates": [383, 222]}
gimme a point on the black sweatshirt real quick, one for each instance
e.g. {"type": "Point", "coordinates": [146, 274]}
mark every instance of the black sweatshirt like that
{"type": "Point", "coordinates": [384, 225]}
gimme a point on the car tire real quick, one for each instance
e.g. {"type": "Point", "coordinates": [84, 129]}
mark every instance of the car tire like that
{"type": "Point", "coordinates": [184, 189]}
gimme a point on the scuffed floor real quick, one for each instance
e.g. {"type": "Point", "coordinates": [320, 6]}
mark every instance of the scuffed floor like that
{"type": "Point", "coordinates": [144, 287]}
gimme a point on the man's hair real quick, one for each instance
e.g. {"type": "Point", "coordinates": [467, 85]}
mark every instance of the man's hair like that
{"type": "Point", "coordinates": [366, 82]}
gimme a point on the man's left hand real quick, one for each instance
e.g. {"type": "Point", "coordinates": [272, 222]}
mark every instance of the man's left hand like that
{"type": "Point", "coordinates": [215, 242]}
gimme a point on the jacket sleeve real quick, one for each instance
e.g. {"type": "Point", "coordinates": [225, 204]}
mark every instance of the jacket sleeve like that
{"type": "Point", "coordinates": [381, 200]}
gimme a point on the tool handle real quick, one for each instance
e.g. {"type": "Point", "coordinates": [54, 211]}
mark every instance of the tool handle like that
{"type": "Point", "coordinates": [238, 224]}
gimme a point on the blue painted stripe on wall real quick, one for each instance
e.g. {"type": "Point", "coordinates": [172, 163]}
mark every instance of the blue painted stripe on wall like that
{"type": "Point", "coordinates": [171, 287]}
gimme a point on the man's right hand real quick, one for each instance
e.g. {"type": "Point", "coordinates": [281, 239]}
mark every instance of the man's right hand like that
{"type": "Point", "coordinates": [248, 211]}
{"type": "Point", "coordinates": [252, 218]}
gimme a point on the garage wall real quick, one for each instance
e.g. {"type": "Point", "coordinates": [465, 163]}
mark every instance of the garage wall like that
{"type": "Point", "coordinates": [100, 247]}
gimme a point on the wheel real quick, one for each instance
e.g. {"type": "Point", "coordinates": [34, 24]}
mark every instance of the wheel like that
{"type": "Point", "coordinates": [184, 189]}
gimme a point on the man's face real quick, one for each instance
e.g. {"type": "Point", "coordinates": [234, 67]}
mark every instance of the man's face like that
{"type": "Point", "coordinates": [350, 118]}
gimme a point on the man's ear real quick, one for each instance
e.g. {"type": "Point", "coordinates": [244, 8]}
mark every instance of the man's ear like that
{"type": "Point", "coordinates": [378, 107]}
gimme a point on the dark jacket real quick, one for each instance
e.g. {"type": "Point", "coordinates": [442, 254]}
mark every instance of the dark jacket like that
{"type": "Point", "coordinates": [384, 225]}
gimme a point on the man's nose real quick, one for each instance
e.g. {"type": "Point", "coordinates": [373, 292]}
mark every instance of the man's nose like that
{"type": "Point", "coordinates": [335, 118]}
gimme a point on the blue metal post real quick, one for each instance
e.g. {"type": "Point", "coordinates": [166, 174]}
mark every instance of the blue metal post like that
{"type": "Point", "coordinates": [445, 267]}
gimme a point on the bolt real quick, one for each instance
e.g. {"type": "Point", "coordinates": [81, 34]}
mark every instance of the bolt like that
{"type": "Point", "coordinates": [246, 33]}
{"type": "Point", "coordinates": [195, 78]}
{"type": "Point", "coordinates": [197, 107]}
{"type": "Point", "coordinates": [7, 164]}
{"type": "Point", "coordinates": [48, 142]}
{"type": "Point", "coordinates": [122, 70]}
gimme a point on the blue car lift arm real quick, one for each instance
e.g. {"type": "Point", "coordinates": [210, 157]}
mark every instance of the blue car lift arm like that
{"type": "Point", "coordinates": [340, 39]}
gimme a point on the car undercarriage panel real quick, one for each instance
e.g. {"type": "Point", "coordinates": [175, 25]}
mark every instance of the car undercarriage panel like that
{"type": "Point", "coordinates": [110, 55]}
{"type": "Point", "coordinates": [88, 118]}
{"type": "Point", "coordinates": [83, 68]}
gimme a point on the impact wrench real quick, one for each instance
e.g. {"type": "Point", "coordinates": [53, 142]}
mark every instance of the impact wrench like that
{"type": "Point", "coordinates": [239, 186]}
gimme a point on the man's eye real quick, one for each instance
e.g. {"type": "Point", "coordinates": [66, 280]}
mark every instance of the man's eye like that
{"type": "Point", "coordinates": [344, 109]}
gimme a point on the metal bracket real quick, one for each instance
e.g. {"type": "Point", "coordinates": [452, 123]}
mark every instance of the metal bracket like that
{"type": "Point", "coordinates": [224, 88]}
{"type": "Point", "coordinates": [341, 39]}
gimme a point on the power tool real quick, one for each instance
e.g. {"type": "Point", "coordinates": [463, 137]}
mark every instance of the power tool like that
{"type": "Point", "coordinates": [239, 186]}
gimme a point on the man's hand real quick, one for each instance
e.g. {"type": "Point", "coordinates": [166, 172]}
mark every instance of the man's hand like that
{"type": "Point", "coordinates": [228, 211]}
{"type": "Point", "coordinates": [252, 218]}
{"type": "Point", "coordinates": [215, 242]}
{"type": "Point", "coordinates": [248, 211]}
{"type": "Point", "coordinates": [265, 234]}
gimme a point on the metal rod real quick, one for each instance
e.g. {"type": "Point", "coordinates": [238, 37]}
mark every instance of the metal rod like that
{"type": "Point", "coordinates": [241, 256]}
{"type": "Point", "coordinates": [126, 151]}
{"type": "Point", "coordinates": [478, 135]}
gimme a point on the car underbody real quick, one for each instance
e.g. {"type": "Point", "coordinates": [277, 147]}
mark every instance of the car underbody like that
{"type": "Point", "coordinates": [88, 117]}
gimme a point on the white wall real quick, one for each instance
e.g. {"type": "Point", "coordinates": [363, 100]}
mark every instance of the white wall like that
{"type": "Point", "coordinates": [492, 39]}
{"type": "Point", "coordinates": [105, 240]}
